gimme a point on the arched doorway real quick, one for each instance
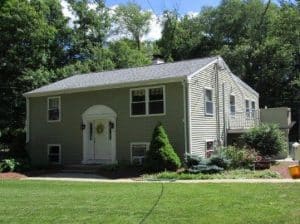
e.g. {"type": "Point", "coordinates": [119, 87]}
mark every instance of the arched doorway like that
{"type": "Point", "coordinates": [99, 135]}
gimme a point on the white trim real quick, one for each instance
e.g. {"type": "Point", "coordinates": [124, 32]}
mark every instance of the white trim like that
{"type": "Point", "coordinates": [59, 154]}
{"type": "Point", "coordinates": [209, 140]}
{"type": "Point", "coordinates": [104, 87]}
{"type": "Point", "coordinates": [184, 116]}
{"type": "Point", "coordinates": [202, 68]}
{"type": "Point", "coordinates": [212, 101]}
{"type": "Point", "coordinates": [59, 109]}
{"type": "Point", "coordinates": [190, 143]}
{"type": "Point", "coordinates": [147, 144]}
{"type": "Point", "coordinates": [147, 101]}
{"type": "Point", "coordinates": [27, 128]}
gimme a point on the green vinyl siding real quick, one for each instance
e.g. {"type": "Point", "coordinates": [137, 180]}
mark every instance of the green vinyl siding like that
{"type": "Point", "coordinates": [68, 132]}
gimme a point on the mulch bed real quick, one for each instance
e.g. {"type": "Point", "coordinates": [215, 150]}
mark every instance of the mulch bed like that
{"type": "Point", "coordinates": [11, 175]}
{"type": "Point", "coordinates": [282, 169]}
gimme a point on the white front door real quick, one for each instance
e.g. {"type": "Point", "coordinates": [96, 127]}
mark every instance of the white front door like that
{"type": "Point", "coordinates": [102, 141]}
{"type": "Point", "coordinates": [99, 135]}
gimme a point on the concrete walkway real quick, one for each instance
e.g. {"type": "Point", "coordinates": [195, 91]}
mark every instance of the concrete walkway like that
{"type": "Point", "coordinates": [79, 177]}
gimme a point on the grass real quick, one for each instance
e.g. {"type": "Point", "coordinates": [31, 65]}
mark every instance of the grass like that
{"type": "Point", "coordinates": [74, 202]}
{"type": "Point", "coordinates": [231, 174]}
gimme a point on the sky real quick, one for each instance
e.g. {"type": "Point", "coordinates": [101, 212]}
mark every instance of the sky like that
{"type": "Point", "coordinates": [158, 6]}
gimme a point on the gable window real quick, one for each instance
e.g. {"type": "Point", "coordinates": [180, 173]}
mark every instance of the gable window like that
{"type": "Point", "coordinates": [209, 106]}
{"type": "Point", "coordinates": [147, 101]}
{"type": "Point", "coordinates": [209, 148]}
{"type": "Point", "coordinates": [232, 105]}
{"type": "Point", "coordinates": [54, 152]}
{"type": "Point", "coordinates": [138, 152]}
{"type": "Point", "coordinates": [54, 113]}
{"type": "Point", "coordinates": [247, 105]}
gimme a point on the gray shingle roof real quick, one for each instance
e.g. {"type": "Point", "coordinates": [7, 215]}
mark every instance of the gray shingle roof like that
{"type": "Point", "coordinates": [124, 76]}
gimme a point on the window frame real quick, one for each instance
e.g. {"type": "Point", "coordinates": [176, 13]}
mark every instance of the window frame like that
{"type": "Point", "coordinates": [248, 113]}
{"type": "Point", "coordinates": [147, 144]}
{"type": "Point", "coordinates": [212, 101]}
{"type": "Point", "coordinates": [147, 101]}
{"type": "Point", "coordinates": [59, 109]}
{"type": "Point", "coordinates": [59, 154]}
{"type": "Point", "coordinates": [253, 109]}
{"type": "Point", "coordinates": [232, 114]}
{"type": "Point", "coordinates": [206, 141]}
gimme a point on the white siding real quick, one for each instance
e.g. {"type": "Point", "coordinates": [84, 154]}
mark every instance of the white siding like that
{"type": "Point", "coordinates": [204, 127]}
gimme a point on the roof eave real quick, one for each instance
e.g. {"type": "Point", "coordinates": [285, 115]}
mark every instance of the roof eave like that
{"type": "Point", "coordinates": [102, 87]}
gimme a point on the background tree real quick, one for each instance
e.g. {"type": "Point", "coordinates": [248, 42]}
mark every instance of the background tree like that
{"type": "Point", "coordinates": [132, 21]}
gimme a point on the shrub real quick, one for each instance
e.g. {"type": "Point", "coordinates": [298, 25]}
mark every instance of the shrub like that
{"type": "Point", "coordinates": [196, 164]}
{"type": "Point", "coordinates": [161, 155]}
{"type": "Point", "coordinates": [220, 161]}
{"type": "Point", "coordinates": [239, 157]}
{"type": "Point", "coordinates": [9, 165]}
{"type": "Point", "coordinates": [266, 139]}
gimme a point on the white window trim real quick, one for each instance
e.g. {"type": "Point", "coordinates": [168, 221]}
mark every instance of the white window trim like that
{"type": "Point", "coordinates": [59, 108]}
{"type": "Point", "coordinates": [147, 144]}
{"type": "Point", "coordinates": [249, 112]}
{"type": "Point", "coordinates": [212, 100]}
{"type": "Point", "coordinates": [209, 140]}
{"type": "Point", "coordinates": [59, 155]}
{"type": "Point", "coordinates": [232, 114]}
{"type": "Point", "coordinates": [147, 101]}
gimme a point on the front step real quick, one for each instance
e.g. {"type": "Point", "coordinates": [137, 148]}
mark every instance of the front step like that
{"type": "Point", "coordinates": [80, 168]}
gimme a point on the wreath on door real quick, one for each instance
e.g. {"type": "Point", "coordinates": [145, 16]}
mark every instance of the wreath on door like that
{"type": "Point", "coordinates": [100, 128]}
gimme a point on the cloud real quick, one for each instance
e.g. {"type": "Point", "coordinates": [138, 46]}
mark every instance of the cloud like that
{"type": "Point", "coordinates": [155, 29]}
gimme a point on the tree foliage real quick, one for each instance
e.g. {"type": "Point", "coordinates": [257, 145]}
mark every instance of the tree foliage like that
{"type": "Point", "coordinates": [161, 155]}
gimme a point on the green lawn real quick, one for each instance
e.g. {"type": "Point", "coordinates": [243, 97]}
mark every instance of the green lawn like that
{"type": "Point", "coordinates": [73, 202]}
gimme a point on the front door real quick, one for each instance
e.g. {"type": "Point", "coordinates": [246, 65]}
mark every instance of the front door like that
{"type": "Point", "coordinates": [102, 141]}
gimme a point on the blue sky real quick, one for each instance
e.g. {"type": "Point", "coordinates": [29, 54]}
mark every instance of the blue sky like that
{"type": "Point", "coordinates": [158, 6]}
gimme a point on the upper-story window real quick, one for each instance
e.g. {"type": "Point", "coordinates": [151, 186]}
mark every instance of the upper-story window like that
{"type": "Point", "coordinates": [232, 104]}
{"type": "Point", "coordinates": [147, 101]}
{"type": "Point", "coordinates": [253, 108]}
{"type": "Point", "coordinates": [54, 113]}
{"type": "Point", "coordinates": [247, 105]}
{"type": "Point", "coordinates": [209, 105]}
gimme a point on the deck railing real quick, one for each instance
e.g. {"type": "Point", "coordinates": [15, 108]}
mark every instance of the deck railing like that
{"type": "Point", "coordinates": [243, 120]}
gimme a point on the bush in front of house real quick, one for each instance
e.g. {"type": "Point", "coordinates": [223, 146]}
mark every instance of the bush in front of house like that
{"type": "Point", "coordinates": [266, 139]}
{"type": "Point", "coordinates": [12, 165]}
{"type": "Point", "coordinates": [196, 164]}
{"type": "Point", "coordinates": [240, 158]}
{"type": "Point", "coordinates": [161, 155]}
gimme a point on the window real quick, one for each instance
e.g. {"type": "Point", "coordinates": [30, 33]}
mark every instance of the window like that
{"type": "Point", "coordinates": [209, 148]}
{"type": "Point", "coordinates": [54, 154]}
{"type": "Point", "coordinates": [232, 105]}
{"type": "Point", "coordinates": [54, 109]}
{"type": "Point", "coordinates": [209, 106]}
{"type": "Point", "coordinates": [147, 101]}
{"type": "Point", "coordinates": [138, 152]}
{"type": "Point", "coordinates": [253, 108]}
{"type": "Point", "coordinates": [247, 104]}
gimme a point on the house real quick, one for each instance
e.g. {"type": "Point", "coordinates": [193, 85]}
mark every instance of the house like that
{"type": "Point", "coordinates": [108, 117]}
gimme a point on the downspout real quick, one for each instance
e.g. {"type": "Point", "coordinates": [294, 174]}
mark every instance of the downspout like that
{"type": "Point", "coordinates": [27, 120]}
{"type": "Point", "coordinates": [184, 116]}
{"type": "Point", "coordinates": [188, 116]}
{"type": "Point", "coordinates": [224, 116]}
{"type": "Point", "coordinates": [217, 104]}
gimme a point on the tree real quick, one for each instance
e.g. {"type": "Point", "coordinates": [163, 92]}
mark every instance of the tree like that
{"type": "Point", "coordinates": [161, 155]}
{"type": "Point", "coordinates": [25, 42]}
{"type": "Point", "coordinates": [91, 27]}
{"type": "Point", "coordinates": [131, 20]}
{"type": "Point", "coordinates": [126, 55]}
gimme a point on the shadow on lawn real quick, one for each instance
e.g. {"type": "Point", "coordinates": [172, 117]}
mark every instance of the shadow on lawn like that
{"type": "Point", "coordinates": [154, 205]}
